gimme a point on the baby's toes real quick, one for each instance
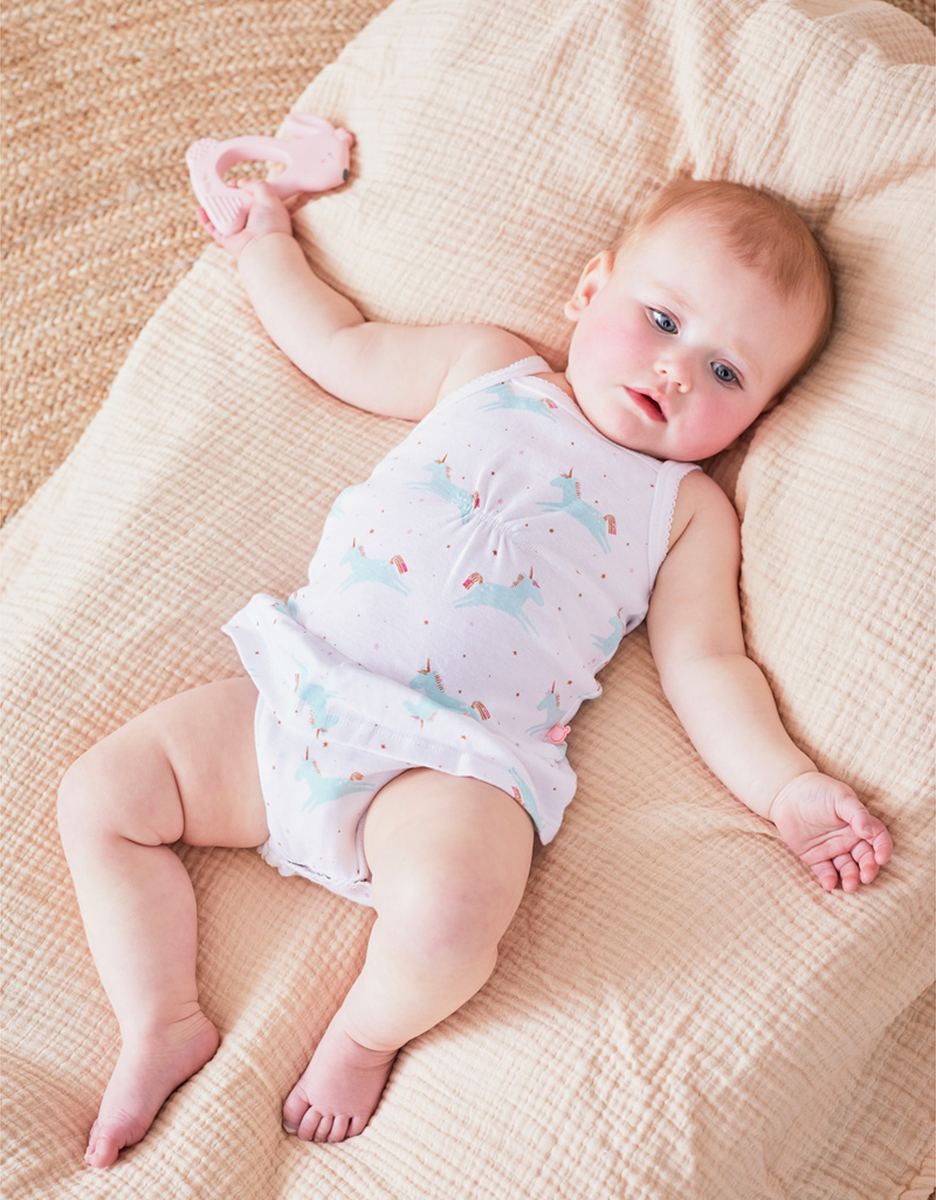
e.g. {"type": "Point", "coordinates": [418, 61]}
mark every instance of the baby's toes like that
{"type": "Point", "coordinates": [338, 1131]}
{"type": "Point", "coordinates": [92, 1144]}
{"type": "Point", "coordinates": [304, 1119]}
{"type": "Point", "coordinates": [296, 1109]}
{"type": "Point", "coordinates": [315, 1126]}
{"type": "Point", "coordinates": [105, 1143]}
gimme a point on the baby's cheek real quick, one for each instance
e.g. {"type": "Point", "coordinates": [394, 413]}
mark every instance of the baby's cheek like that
{"type": "Point", "coordinates": [718, 425]}
{"type": "Point", "coordinates": [591, 336]}
{"type": "Point", "coordinates": [612, 346]}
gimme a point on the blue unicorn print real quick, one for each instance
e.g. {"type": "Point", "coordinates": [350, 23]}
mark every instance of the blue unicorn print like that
{"type": "Point", "coordinates": [323, 789]}
{"type": "Point", "coordinates": [441, 484]}
{"type": "Point", "coordinates": [608, 645]}
{"type": "Point", "coordinates": [508, 398]}
{"type": "Point", "coordinates": [586, 514]}
{"type": "Point", "coordinates": [498, 595]}
{"type": "Point", "coordinates": [373, 570]}
{"type": "Point", "coordinates": [289, 609]}
{"type": "Point", "coordinates": [550, 705]}
{"type": "Point", "coordinates": [434, 698]}
{"type": "Point", "coordinates": [316, 698]}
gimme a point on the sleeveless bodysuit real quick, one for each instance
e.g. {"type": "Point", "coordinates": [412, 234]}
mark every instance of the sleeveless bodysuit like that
{"type": "Point", "coordinates": [459, 606]}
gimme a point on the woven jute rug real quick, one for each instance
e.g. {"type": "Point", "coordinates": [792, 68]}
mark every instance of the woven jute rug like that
{"type": "Point", "coordinates": [100, 99]}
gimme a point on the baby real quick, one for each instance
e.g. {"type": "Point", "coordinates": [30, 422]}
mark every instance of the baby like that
{"type": "Point", "coordinates": [400, 735]}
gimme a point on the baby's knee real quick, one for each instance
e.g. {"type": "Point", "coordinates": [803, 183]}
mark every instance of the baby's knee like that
{"type": "Point", "coordinates": [443, 919]}
{"type": "Point", "coordinates": [75, 807]}
{"type": "Point", "coordinates": [113, 790]}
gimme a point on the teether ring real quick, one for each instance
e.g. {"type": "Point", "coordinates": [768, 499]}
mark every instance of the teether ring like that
{"type": "Point", "coordinates": [317, 159]}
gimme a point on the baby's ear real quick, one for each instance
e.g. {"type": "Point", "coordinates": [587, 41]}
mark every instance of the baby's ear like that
{"type": "Point", "coordinates": [592, 280]}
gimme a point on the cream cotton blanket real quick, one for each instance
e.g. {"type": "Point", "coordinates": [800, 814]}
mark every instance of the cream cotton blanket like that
{"type": "Point", "coordinates": [678, 1009]}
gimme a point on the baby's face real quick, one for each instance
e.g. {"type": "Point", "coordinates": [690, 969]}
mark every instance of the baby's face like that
{"type": "Point", "coordinates": [678, 347]}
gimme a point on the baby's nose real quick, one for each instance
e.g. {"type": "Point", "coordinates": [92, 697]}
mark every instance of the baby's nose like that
{"type": "Point", "coordinates": [675, 370]}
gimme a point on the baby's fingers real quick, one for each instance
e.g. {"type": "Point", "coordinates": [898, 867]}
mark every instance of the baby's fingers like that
{"type": "Point", "coordinates": [842, 868]}
{"type": "Point", "coordinates": [870, 858]}
{"type": "Point", "coordinates": [849, 872]}
{"type": "Point", "coordinates": [826, 874]}
{"type": "Point", "coordinates": [206, 223]}
{"type": "Point", "coordinates": [872, 832]}
{"type": "Point", "coordinates": [850, 868]}
{"type": "Point", "coordinates": [881, 842]}
{"type": "Point", "coordinates": [263, 194]}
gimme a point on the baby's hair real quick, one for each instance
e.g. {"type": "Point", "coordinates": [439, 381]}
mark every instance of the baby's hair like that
{"type": "Point", "coordinates": [762, 232]}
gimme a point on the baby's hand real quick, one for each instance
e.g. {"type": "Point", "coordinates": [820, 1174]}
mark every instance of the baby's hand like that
{"type": "Point", "coordinates": [826, 825]}
{"type": "Point", "coordinates": [267, 214]}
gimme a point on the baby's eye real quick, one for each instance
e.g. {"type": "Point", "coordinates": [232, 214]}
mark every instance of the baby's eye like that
{"type": "Point", "coordinates": [663, 321]}
{"type": "Point", "coordinates": [724, 374]}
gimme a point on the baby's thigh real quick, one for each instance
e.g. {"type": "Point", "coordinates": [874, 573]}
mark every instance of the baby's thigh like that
{"type": "Point", "coordinates": [184, 770]}
{"type": "Point", "coordinates": [207, 734]}
{"type": "Point", "coordinates": [448, 844]}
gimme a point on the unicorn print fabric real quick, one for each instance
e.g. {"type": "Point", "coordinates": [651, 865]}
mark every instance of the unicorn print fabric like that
{"type": "Point", "coordinates": [459, 607]}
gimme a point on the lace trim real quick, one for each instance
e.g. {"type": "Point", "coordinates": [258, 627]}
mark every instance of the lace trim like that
{"type": "Point", "coordinates": [523, 366]}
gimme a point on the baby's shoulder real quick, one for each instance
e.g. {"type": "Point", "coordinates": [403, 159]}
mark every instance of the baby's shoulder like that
{"type": "Point", "coordinates": [481, 350]}
{"type": "Point", "coordinates": [702, 505]}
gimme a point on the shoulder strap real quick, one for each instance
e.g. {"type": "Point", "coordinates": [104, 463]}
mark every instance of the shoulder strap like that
{"type": "Point", "coordinates": [670, 475]}
{"type": "Point", "coordinates": [532, 365]}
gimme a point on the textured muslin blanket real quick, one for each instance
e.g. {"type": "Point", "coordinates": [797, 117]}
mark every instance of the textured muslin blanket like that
{"type": "Point", "coordinates": [678, 1009]}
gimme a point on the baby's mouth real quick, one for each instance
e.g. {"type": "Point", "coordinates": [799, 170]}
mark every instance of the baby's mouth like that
{"type": "Point", "coordinates": [647, 404]}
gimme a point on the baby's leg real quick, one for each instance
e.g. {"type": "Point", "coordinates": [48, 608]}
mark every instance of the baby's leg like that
{"type": "Point", "coordinates": [184, 771]}
{"type": "Point", "coordinates": [449, 859]}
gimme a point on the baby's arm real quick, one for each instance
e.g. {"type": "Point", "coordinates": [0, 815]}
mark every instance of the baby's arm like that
{"type": "Point", "coordinates": [726, 706]}
{"type": "Point", "coordinates": [396, 370]}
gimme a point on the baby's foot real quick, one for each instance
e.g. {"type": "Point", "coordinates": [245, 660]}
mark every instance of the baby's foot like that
{"type": "Point", "coordinates": [339, 1089]}
{"type": "Point", "coordinates": [146, 1073]}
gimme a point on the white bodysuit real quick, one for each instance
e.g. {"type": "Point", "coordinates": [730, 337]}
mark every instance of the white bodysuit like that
{"type": "Point", "coordinates": [459, 606]}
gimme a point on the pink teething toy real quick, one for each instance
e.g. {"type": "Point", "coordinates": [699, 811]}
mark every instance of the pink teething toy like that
{"type": "Point", "coordinates": [317, 159]}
